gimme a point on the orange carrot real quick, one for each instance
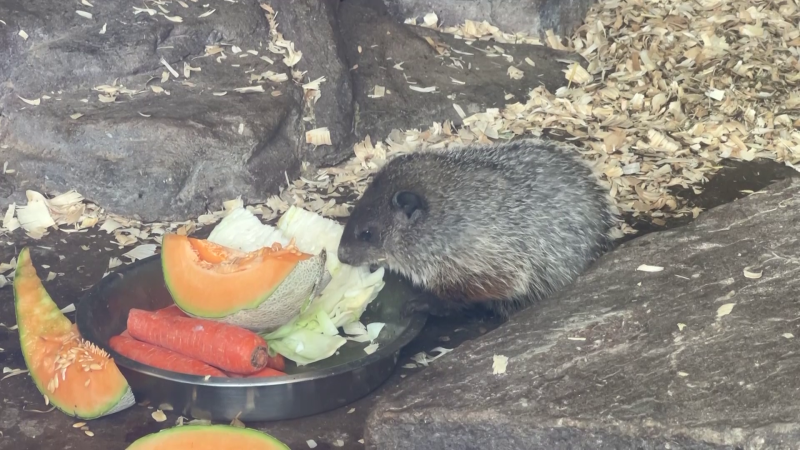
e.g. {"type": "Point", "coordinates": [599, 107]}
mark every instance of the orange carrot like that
{"type": "Point", "coordinates": [226, 347]}
{"type": "Point", "coordinates": [276, 362]}
{"type": "Point", "coordinates": [266, 372]}
{"type": "Point", "coordinates": [160, 357]}
{"type": "Point", "coordinates": [171, 310]}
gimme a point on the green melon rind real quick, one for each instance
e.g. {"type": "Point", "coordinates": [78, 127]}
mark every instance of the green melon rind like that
{"type": "Point", "coordinates": [153, 438]}
{"type": "Point", "coordinates": [285, 302]}
{"type": "Point", "coordinates": [271, 310]}
{"type": "Point", "coordinates": [49, 308]}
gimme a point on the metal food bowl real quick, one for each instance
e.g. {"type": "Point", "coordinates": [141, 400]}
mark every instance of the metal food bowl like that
{"type": "Point", "coordinates": [322, 386]}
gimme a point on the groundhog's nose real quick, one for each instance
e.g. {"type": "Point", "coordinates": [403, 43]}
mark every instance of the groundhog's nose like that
{"type": "Point", "coordinates": [344, 255]}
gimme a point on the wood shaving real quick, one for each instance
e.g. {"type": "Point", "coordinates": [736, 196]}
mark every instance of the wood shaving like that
{"type": "Point", "coordinates": [725, 309]}
{"type": "Point", "coordinates": [499, 364]}
{"type": "Point", "coordinates": [752, 275]}
{"type": "Point", "coordinates": [422, 89]}
{"type": "Point", "coordinates": [35, 102]}
{"type": "Point", "coordinates": [319, 136]}
{"type": "Point", "coordinates": [514, 73]}
{"type": "Point", "coordinates": [158, 415]}
{"type": "Point", "coordinates": [249, 89]}
{"type": "Point", "coordinates": [377, 92]}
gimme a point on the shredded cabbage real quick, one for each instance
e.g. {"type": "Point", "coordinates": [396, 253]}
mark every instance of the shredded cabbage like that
{"type": "Point", "coordinates": [313, 334]}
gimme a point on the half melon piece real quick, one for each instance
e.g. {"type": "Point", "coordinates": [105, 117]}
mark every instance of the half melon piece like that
{"type": "Point", "coordinates": [258, 290]}
{"type": "Point", "coordinates": [208, 437]}
{"type": "Point", "coordinates": [76, 376]}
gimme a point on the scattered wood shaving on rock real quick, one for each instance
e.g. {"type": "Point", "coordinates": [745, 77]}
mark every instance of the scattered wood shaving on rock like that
{"type": "Point", "coordinates": [158, 415]}
{"type": "Point", "coordinates": [141, 252]}
{"type": "Point", "coordinates": [249, 89]}
{"type": "Point", "coordinates": [35, 102]}
{"type": "Point", "coordinates": [725, 309]}
{"type": "Point", "coordinates": [9, 372]}
{"type": "Point", "coordinates": [649, 268]}
{"type": "Point", "coordinates": [499, 364]}
{"type": "Point", "coordinates": [319, 136]}
{"type": "Point", "coordinates": [514, 73]}
{"type": "Point", "coordinates": [752, 275]}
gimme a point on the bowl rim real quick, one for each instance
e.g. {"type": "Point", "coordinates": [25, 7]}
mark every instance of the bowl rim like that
{"type": "Point", "coordinates": [88, 300]}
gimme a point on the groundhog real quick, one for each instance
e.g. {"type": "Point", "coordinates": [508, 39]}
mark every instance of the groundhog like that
{"type": "Point", "coordinates": [500, 225]}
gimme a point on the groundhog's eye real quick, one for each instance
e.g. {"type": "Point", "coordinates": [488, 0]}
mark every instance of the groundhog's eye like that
{"type": "Point", "coordinates": [365, 235]}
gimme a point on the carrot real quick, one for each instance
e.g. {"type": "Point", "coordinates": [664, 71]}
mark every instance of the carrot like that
{"type": "Point", "coordinates": [266, 372]}
{"type": "Point", "coordinates": [160, 357]}
{"type": "Point", "coordinates": [226, 347]}
{"type": "Point", "coordinates": [276, 362]}
{"type": "Point", "coordinates": [171, 311]}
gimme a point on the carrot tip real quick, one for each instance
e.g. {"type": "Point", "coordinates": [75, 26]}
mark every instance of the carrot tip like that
{"type": "Point", "coordinates": [260, 358]}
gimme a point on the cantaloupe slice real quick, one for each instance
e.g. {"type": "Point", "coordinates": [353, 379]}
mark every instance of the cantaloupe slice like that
{"type": "Point", "coordinates": [208, 437]}
{"type": "Point", "coordinates": [259, 290]}
{"type": "Point", "coordinates": [77, 377]}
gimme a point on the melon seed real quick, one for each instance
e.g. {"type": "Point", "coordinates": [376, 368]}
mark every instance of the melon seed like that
{"type": "Point", "coordinates": [89, 433]}
{"type": "Point", "coordinates": [78, 425]}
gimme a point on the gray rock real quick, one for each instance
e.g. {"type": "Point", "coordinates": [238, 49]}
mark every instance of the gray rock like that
{"type": "Point", "coordinates": [169, 165]}
{"type": "Point", "coordinates": [313, 26]}
{"type": "Point", "coordinates": [534, 17]}
{"type": "Point", "coordinates": [386, 43]}
{"type": "Point", "coordinates": [189, 154]}
{"type": "Point", "coordinates": [633, 359]}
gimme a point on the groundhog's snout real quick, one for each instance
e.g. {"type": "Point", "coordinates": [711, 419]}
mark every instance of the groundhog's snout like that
{"type": "Point", "coordinates": [344, 254]}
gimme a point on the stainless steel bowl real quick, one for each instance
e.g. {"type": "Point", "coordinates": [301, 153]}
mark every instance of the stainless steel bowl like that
{"type": "Point", "coordinates": [306, 390]}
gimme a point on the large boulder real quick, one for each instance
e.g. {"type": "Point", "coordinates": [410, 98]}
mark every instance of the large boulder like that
{"type": "Point", "coordinates": [137, 107]}
{"type": "Point", "coordinates": [534, 17]}
{"type": "Point", "coordinates": [699, 355]}
{"type": "Point", "coordinates": [399, 58]}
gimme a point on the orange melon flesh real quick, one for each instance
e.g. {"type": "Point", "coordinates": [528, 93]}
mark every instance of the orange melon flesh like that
{"type": "Point", "coordinates": [78, 378]}
{"type": "Point", "coordinates": [208, 437]}
{"type": "Point", "coordinates": [211, 281]}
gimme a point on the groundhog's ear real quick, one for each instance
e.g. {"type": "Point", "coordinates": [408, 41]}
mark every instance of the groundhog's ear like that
{"type": "Point", "coordinates": [409, 203]}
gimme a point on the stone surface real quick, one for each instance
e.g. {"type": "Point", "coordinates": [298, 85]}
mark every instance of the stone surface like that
{"type": "Point", "coordinates": [313, 26]}
{"type": "Point", "coordinates": [387, 43]}
{"type": "Point", "coordinates": [634, 359]}
{"type": "Point", "coordinates": [533, 17]}
{"type": "Point", "coordinates": [194, 149]}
